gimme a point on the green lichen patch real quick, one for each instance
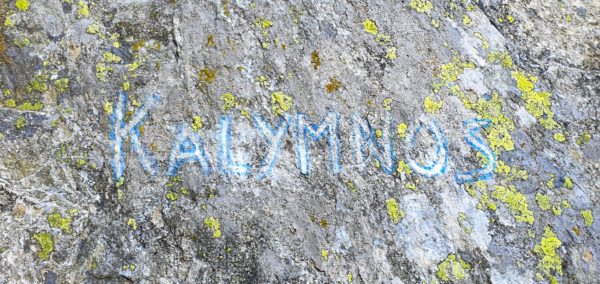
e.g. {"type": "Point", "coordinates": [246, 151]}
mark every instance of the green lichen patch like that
{"type": "Point", "coordinates": [22, 5]}
{"type": "Point", "coordinates": [370, 26]}
{"type": "Point", "coordinates": [588, 218]}
{"type": "Point", "coordinates": [280, 103]}
{"type": "Point", "coordinates": [214, 225]}
{"type": "Point", "coordinates": [421, 6]}
{"type": "Point", "coordinates": [516, 201]}
{"type": "Point", "coordinates": [550, 261]}
{"type": "Point", "coordinates": [431, 106]}
{"type": "Point", "coordinates": [452, 269]}
{"type": "Point", "coordinates": [20, 122]}
{"type": "Point", "coordinates": [536, 103]}
{"type": "Point", "coordinates": [394, 212]}
{"type": "Point", "coordinates": [196, 123]}
{"type": "Point", "coordinates": [44, 239]}
{"type": "Point", "coordinates": [56, 220]}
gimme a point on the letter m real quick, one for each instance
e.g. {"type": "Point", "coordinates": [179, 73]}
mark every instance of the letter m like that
{"type": "Point", "coordinates": [306, 130]}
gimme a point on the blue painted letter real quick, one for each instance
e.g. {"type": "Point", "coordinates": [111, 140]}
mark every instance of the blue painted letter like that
{"type": "Point", "coordinates": [306, 129]}
{"type": "Point", "coordinates": [274, 139]}
{"type": "Point", "coordinates": [363, 132]}
{"type": "Point", "coordinates": [119, 131]}
{"type": "Point", "coordinates": [187, 148]}
{"type": "Point", "coordinates": [438, 166]}
{"type": "Point", "coordinates": [474, 139]}
{"type": "Point", "coordinates": [226, 165]}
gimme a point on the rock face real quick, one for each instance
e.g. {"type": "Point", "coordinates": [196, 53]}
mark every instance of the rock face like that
{"type": "Point", "coordinates": [228, 141]}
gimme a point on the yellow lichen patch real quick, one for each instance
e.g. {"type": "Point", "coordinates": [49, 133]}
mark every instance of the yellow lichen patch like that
{"type": "Point", "coordinates": [387, 103]}
{"type": "Point", "coordinates": [588, 218]}
{"type": "Point", "coordinates": [499, 133]}
{"type": "Point", "coordinates": [210, 40]}
{"type": "Point", "coordinates": [264, 23]}
{"type": "Point", "coordinates": [395, 213]}
{"type": "Point", "coordinates": [315, 60]}
{"type": "Point", "coordinates": [44, 239]}
{"type": "Point", "coordinates": [547, 249]}
{"type": "Point", "coordinates": [401, 130]}
{"type": "Point", "coordinates": [280, 103]}
{"type": "Point", "coordinates": [229, 101]}
{"type": "Point", "coordinates": [213, 224]}
{"type": "Point", "coordinates": [391, 53]}
{"type": "Point", "coordinates": [421, 6]}
{"type": "Point", "coordinates": [196, 123]}
{"type": "Point", "coordinates": [93, 29]}
{"type": "Point", "coordinates": [536, 103]}
{"type": "Point", "coordinates": [333, 85]}
{"type": "Point", "coordinates": [431, 105]}
{"type": "Point", "coordinates": [109, 57]}
{"type": "Point", "coordinates": [108, 108]}
{"type": "Point", "coordinates": [20, 122]}
{"type": "Point", "coordinates": [584, 137]}
{"type": "Point", "coordinates": [8, 22]}
{"type": "Point", "coordinates": [172, 196]}
{"type": "Point", "coordinates": [21, 42]}
{"type": "Point", "coordinates": [516, 201]}
{"type": "Point", "coordinates": [452, 269]}
{"type": "Point", "coordinates": [22, 5]}
{"type": "Point", "coordinates": [403, 168]}
{"type": "Point", "coordinates": [467, 21]}
{"type": "Point", "coordinates": [560, 137]}
{"type": "Point", "coordinates": [568, 184]}
{"type": "Point", "coordinates": [207, 76]}
{"type": "Point", "coordinates": [82, 9]}
{"type": "Point", "coordinates": [370, 26]}
{"type": "Point", "coordinates": [102, 71]}
{"type": "Point", "coordinates": [484, 42]}
{"type": "Point", "coordinates": [450, 71]}
{"type": "Point", "coordinates": [325, 254]}
{"type": "Point", "coordinates": [27, 106]}
{"type": "Point", "coordinates": [510, 19]}
{"type": "Point", "coordinates": [62, 85]}
{"type": "Point", "coordinates": [543, 201]}
{"type": "Point", "coordinates": [132, 223]}
{"type": "Point", "coordinates": [55, 220]}
{"type": "Point", "coordinates": [501, 56]}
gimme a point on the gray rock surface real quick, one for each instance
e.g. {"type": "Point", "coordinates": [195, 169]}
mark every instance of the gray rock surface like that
{"type": "Point", "coordinates": [499, 97]}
